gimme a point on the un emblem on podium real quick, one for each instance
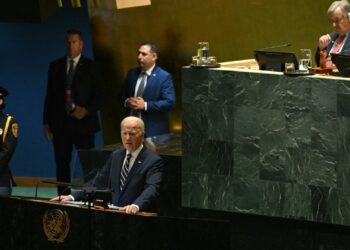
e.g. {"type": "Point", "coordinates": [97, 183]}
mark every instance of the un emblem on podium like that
{"type": "Point", "coordinates": [56, 225]}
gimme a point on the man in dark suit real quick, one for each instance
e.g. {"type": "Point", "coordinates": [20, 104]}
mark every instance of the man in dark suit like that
{"type": "Point", "coordinates": [73, 97]}
{"type": "Point", "coordinates": [338, 41]}
{"type": "Point", "coordinates": [148, 92]}
{"type": "Point", "coordinates": [8, 142]}
{"type": "Point", "coordinates": [133, 173]}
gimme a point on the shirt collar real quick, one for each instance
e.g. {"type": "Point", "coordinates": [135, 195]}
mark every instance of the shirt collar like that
{"type": "Point", "coordinates": [149, 71]}
{"type": "Point", "coordinates": [136, 152]}
{"type": "Point", "coordinates": [76, 59]}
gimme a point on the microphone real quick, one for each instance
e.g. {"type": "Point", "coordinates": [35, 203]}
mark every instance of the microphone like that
{"type": "Point", "coordinates": [59, 183]}
{"type": "Point", "coordinates": [36, 190]}
{"type": "Point", "coordinates": [277, 46]}
{"type": "Point", "coordinates": [110, 190]}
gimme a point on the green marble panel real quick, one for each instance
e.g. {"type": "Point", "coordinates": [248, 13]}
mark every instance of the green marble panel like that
{"type": "Point", "coordinates": [195, 132]}
{"type": "Point", "coordinates": [268, 144]}
{"type": "Point", "coordinates": [237, 195]}
{"type": "Point", "coordinates": [221, 122]}
{"type": "Point", "coordinates": [343, 134]}
{"type": "Point", "coordinates": [220, 158]}
{"type": "Point", "coordinates": [194, 190]}
{"type": "Point", "coordinates": [286, 200]}
{"type": "Point", "coordinates": [247, 159]}
{"type": "Point", "coordinates": [299, 171]}
{"type": "Point", "coordinates": [194, 86]}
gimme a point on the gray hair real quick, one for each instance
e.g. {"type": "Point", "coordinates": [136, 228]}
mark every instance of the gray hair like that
{"type": "Point", "coordinates": [139, 123]}
{"type": "Point", "coordinates": [343, 5]}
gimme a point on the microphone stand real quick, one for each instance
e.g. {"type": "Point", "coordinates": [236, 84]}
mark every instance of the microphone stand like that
{"type": "Point", "coordinates": [89, 194]}
{"type": "Point", "coordinates": [36, 190]}
{"type": "Point", "coordinates": [89, 191]}
{"type": "Point", "coordinates": [277, 46]}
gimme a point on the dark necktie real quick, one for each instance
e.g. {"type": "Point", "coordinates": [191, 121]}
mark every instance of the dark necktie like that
{"type": "Point", "coordinates": [139, 93]}
{"type": "Point", "coordinates": [70, 74]}
{"type": "Point", "coordinates": [141, 88]}
{"type": "Point", "coordinates": [69, 99]}
{"type": "Point", "coordinates": [125, 171]}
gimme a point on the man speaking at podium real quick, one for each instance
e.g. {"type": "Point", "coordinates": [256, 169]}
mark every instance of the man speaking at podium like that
{"type": "Point", "coordinates": [134, 173]}
{"type": "Point", "coordinates": [338, 41]}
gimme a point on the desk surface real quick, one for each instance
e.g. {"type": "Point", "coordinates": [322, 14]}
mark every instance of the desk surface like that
{"type": "Point", "coordinates": [250, 66]}
{"type": "Point", "coordinates": [85, 206]}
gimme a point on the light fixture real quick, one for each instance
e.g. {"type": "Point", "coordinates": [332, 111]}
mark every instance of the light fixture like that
{"type": "Point", "coordinates": [121, 4]}
{"type": "Point", "coordinates": [76, 3]}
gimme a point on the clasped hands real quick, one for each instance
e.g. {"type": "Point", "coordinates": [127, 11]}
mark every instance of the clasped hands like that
{"type": "Point", "coordinates": [79, 112]}
{"type": "Point", "coordinates": [136, 103]}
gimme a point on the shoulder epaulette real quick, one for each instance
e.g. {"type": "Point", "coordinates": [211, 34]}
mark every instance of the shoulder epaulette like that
{"type": "Point", "coordinates": [6, 127]}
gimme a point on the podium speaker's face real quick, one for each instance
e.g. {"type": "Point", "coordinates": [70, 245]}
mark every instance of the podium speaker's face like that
{"type": "Point", "coordinates": [132, 137]}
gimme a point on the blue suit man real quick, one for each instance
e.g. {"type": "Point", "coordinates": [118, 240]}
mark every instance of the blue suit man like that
{"type": "Point", "coordinates": [148, 92]}
{"type": "Point", "coordinates": [133, 173]}
{"type": "Point", "coordinates": [338, 41]}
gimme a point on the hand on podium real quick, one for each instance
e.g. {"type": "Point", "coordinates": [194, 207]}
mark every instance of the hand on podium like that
{"type": "Point", "coordinates": [130, 209]}
{"type": "Point", "coordinates": [62, 198]}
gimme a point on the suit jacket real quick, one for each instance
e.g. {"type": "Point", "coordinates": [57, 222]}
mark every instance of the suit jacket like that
{"type": "Point", "coordinates": [142, 184]}
{"type": "Point", "coordinates": [7, 147]}
{"type": "Point", "coordinates": [334, 36]}
{"type": "Point", "coordinates": [87, 91]}
{"type": "Point", "coordinates": [159, 95]}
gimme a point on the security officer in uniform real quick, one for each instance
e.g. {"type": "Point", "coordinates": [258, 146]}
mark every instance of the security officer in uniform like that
{"type": "Point", "coordinates": [8, 141]}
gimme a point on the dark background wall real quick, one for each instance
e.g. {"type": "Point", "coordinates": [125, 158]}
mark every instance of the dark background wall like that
{"type": "Point", "coordinates": [233, 28]}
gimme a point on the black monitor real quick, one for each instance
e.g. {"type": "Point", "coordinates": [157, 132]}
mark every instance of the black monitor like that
{"type": "Point", "coordinates": [342, 62]}
{"type": "Point", "coordinates": [274, 60]}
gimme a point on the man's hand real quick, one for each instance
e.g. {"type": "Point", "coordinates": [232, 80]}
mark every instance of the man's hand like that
{"type": "Point", "coordinates": [136, 103]}
{"type": "Point", "coordinates": [324, 41]}
{"type": "Point", "coordinates": [62, 198]}
{"type": "Point", "coordinates": [79, 112]}
{"type": "Point", "coordinates": [130, 209]}
{"type": "Point", "coordinates": [47, 133]}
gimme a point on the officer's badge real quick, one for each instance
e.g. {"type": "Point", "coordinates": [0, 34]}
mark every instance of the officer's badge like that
{"type": "Point", "coordinates": [1, 131]}
{"type": "Point", "coordinates": [14, 130]}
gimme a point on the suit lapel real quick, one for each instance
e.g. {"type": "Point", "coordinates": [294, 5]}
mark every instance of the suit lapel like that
{"type": "Point", "coordinates": [79, 67]}
{"type": "Point", "coordinates": [61, 72]}
{"type": "Point", "coordinates": [134, 78]}
{"type": "Point", "coordinates": [151, 79]}
{"type": "Point", "coordinates": [137, 165]}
